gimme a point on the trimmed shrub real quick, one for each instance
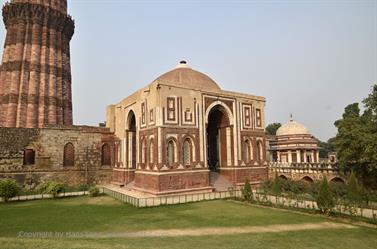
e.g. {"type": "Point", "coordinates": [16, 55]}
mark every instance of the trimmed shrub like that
{"type": "Point", "coordinates": [42, 188]}
{"type": "Point", "coordinates": [94, 191]}
{"type": "Point", "coordinates": [325, 200]}
{"type": "Point", "coordinates": [84, 187]}
{"type": "Point", "coordinates": [247, 192]}
{"type": "Point", "coordinates": [8, 189]}
{"type": "Point", "coordinates": [266, 186]}
{"type": "Point", "coordinates": [52, 188]}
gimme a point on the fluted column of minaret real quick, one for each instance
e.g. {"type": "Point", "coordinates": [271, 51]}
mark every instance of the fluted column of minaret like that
{"type": "Point", "coordinates": [35, 76]}
{"type": "Point", "coordinates": [35, 72]}
{"type": "Point", "coordinates": [67, 89]}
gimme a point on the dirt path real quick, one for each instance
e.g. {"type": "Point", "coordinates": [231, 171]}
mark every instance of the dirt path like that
{"type": "Point", "coordinates": [225, 230]}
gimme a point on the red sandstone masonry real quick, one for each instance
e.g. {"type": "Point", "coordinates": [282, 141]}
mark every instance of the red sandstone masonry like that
{"type": "Point", "coordinates": [35, 87]}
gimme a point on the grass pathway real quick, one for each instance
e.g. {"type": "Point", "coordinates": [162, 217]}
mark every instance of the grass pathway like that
{"type": "Point", "coordinates": [211, 231]}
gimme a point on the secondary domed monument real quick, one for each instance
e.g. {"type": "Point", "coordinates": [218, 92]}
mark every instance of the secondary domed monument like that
{"type": "Point", "coordinates": [294, 144]}
{"type": "Point", "coordinates": [182, 132]}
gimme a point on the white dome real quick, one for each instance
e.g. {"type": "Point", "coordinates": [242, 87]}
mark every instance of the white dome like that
{"type": "Point", "coordinates": [292, 128]}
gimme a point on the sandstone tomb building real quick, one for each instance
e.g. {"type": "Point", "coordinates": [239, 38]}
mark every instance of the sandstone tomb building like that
{"type": "Point", "coordinates": [182, 131]}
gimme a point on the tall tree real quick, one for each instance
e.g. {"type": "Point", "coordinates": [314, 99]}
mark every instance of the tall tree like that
{"type": "Point", "coordinates": [326, 147]}
{"type": "Point", "coordinates": [325, 200]}
{"type": "Point", "coordinates": [272, 128]}
{"type": "Point", "coordinates": [356, 141]}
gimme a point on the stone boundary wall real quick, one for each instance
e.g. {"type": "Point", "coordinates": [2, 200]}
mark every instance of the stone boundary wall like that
{"type": "Point", "coordinates": [48, 145]}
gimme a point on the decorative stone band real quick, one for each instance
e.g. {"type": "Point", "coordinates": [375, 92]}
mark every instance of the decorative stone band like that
{"type": "Point", "coordinates": [36, 67]}
{"type": "Point", "coordinates": [34, 99]}
{"type": "Point", "coordinates": [15, 13]}
{"type": "Point", "coordinates": [37, 39]}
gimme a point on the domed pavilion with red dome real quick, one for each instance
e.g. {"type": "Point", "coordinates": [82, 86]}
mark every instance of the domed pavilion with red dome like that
{"type": "Point", "coordinates": [182, 132]}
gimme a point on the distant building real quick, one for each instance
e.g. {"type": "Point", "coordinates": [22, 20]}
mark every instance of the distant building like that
{"type": "Point", "coordinates": [182, 131]}
{"type": "Point", "coordinates": [293, 143]}
{"type": "Point", "coordinates": [294, 155]}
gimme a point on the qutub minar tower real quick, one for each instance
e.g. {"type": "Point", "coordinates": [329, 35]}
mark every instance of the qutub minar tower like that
{"type": "Point", "coordinates": [35, 80]}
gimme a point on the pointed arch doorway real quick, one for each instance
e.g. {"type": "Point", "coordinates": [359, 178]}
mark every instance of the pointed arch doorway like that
{"type": "Point", "coordinates": [218, 138]}
{"type": "Point", "coordinates": [131, 140]}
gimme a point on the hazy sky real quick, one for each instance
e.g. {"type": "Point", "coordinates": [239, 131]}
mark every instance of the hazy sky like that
{"type": "Point", "coordinates": [309, 58]}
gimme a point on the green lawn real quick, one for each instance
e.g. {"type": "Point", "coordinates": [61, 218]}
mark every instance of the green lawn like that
{"type": "Point", "coordinates": [106, 215]}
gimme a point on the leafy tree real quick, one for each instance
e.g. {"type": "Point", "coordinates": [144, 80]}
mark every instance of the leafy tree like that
{"type": "Point", "coordinates": [8, 189]}
{"type": "Point", "coordinates": [247, 192]}
{"type": "Point", "coordinates": [356, 141]}
{"type": "Point", "coordinates": [276, 186]}
{"type": "Point", "coordinates": [371, 103]}
{"type": "Point", "coordinates": [354, 191]}
{"type": "Point", "coordinates": [272, 128]}
{"type": "Point", "coordinates": [326, 147]}
{"type": "Point", "coordinates": [339, 189]}
{"type": "Point", "coordinates": [325, 200]}
{"type": "Point", "coordinates": [266, 186]}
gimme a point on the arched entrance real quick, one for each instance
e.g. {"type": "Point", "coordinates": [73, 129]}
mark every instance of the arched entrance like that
{"type": "Point", "coordinates": [283, 177]}
{"type": "Point", "coordinates": [131, 140]}
{"type": "Point", "coordinates": [218, 138]}
{"type": "Point", "coordinates": [307, 179]}
{"type": "Point", "coordinates": [337, 180]}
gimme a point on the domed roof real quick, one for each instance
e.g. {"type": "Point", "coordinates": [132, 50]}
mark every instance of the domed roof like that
{"type": "Point", "coordinates": [184, 76]}
{"type": "Point", "coordinates": [292, 128]}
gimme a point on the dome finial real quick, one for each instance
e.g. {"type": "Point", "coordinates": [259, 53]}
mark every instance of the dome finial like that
{"type": "Point", "coordinates": [291, 119]}
{"type": "Point", "coordinates": [182, 64]}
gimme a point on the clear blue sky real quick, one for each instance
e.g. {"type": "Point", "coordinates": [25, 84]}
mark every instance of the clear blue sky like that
{"type": "Point", "coordinates": [309, 58]}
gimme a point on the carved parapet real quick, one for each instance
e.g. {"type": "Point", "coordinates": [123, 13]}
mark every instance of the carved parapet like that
{"type": "Point", "coordinates": [305, 167]}
{"type": "Point", "coordinates": [14, 13]}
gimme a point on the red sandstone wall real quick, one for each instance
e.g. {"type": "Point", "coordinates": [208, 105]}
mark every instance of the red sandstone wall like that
{"type": "Point", "coordinates": [238, 176]}
{"type": "Point", "coordinates": [170, 183]}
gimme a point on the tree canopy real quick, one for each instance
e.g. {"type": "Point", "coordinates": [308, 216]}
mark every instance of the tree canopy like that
{"type": "Point", "coordinates": [326, 147]}
{"type": "Point", "coordinates": [272, 128]}
{"type": "Point", "coordinates": [356, 141]}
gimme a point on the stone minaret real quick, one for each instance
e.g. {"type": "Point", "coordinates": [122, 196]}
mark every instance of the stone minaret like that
{"type": "Point", "coordinates": [35, 75]}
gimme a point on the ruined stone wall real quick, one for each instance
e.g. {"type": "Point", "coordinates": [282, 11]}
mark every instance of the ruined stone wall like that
{"type": "Point", "coordinates": [48, 145]}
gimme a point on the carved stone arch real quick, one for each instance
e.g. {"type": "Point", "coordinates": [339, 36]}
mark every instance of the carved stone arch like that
{"type": "Point", "coordinates": [131, 121]}
{"type": "Point", "coordinates": [247, 150]}
{"type": "Point", "coordinates": [151, 154]}
{"type": "Point", "coordinates": [226, 110]}
{"type": "Point", "coordinates": [307, 179]}
{"type": "Point", "coordinates": [105, 155]}
{"type": "Point", "coordinates": [219, 136]}
{"type": "Point", "coordinates": [171, 151]}
{"type": "Point", "coordinates": [337, 179]}
{"type": "Point", "coordinates": [129, 146]}
{"type": "Point", "coordinates": [191, 154]}
{"type": "Point", "coordinates": [284, 177]}
{"type": "Point", "coordinates": [259, 149]}
{"type": "Point", "coordinates": [143, 149]}
{"type": "Point", "coordinates": [69, 155]}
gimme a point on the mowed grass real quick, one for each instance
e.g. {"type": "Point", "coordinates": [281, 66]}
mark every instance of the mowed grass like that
{"type": "Point", "coordinates": [106, 215]}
